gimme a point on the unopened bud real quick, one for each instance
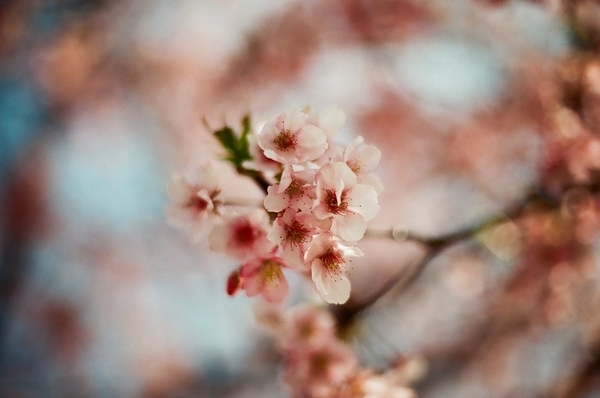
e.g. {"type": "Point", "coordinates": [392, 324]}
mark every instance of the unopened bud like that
{"type": "Point", "coordinates": [234, 282]}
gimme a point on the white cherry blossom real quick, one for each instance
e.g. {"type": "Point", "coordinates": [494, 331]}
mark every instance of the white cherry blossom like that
{"type": "Point", "coordinates": [195, 202]}
{"type": "Point", "coordinates": [296, 189]}
{"type": "Point", "coordinates": [329, 121]}
{"type": "Point", "coordinates": [363, 160]}
{"type": "Point", "coordinates": [292, 139]}
{"type": "Point", "coordinates": [242, 237]}
{"type": "Point", "coordinates": [328, 258]}
{"type": "Point", "coordinates": [349, 204]}
{"type": "Point", "coordinates": [263, 275]}
{"type": "Point", "coordinates": [292, 232]}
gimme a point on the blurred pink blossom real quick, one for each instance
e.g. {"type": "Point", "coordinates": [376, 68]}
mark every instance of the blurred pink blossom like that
{"type": "Point", "coordinates": [195, 202]}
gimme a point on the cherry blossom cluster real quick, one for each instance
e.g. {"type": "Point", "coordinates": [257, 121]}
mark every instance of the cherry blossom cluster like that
{"type": "Point", "coordinates": [316, 363]}
{"type": "Point", "coordinates": [573, 143]}
{"type": "Point", "coordinates": [319, 197]}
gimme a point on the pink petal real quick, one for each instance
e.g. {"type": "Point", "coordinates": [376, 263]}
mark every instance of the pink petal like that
{"type": "Point", "coordinates": [275, 290]}
{"type": "Point", "coordinates": [312, 143]}
{"type": "Point", "coordinates": [274, 201]}
{"type": "Point", "coordinates": [331, 120]}
{"type": "Point", "coordinates": [218, 238]}
{"type": "Point", "coordinates": [178, 190]}
{"type": "Point", "coordinates": [252, 285]}
{"type": "Point", "coordinates": [293, 119]}
{"type": "Point", "coordinates": [349, 227]}
{"type": "Point", "coordinates": [334, 289]}
{"type": "Point", "coordinates": [371, 179]}
{"type": "Point", "coordinates": [363, 200]}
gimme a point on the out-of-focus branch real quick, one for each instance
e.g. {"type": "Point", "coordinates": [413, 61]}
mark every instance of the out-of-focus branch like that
{"type": "Point", "coordinates": [347, 312]}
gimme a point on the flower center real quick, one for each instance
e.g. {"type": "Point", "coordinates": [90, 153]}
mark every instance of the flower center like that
{"type": "Point", "coordinates": [354, 166]}
{"type": "Point", "coordinates": [306, 330]}
{"type": "Point", "coordinates": [296, 233]}
{"type": "Point", "coordinates": [198, 203]}
{"type": "Point", "coordinates": [319, 365]}
{"type": "Point", "coordinates": [271, 272]}
{"type": "Point", "coordinates": [333, 205]}
{"type": "Point", "coordinates": [203, 200]}
{"type": "Point", "coordinates": [246, 234]}
{"type": "Point", "coordinates": [295, 188]}
{"type": "Point", "coordinates": [332, 260]}
{"type": "Point", "coordinates": [285, 141]}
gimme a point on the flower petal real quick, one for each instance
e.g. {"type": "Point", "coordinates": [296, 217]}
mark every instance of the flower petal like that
{"type": "Point", "coordinates": [350, 227]}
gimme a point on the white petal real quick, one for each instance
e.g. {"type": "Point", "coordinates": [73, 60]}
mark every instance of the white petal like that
{"type": "Point", "coordinates": [286, 178]}
{"type": "Point", "coordinates": [362, 199]}
{"type": "Point", "coordinates": [275, 202]}
{"type": "Point", "coordinates": [350, 251]}
{"type": "Point", "coordinates": [338, 292]}
{"type": "Point", "coordinates": [218, 238]}
{"type": "Point", "coordinates": [294, 119]}
{"type": "Point", "coordinates": [178, 190]}
{"type": "Point", "coordinates": [349, 227]}
{"type": "Point", "coordinates": [276, 233]}
{"type": "Point", "coordinates": [294, 257]}
{"type": "Point", "coordinates": [371, 179]}
{"type": "Point", "coordinates": [318, 276]}
{"type": "Point", "coordinates": [201, 229]}
{"type": "Point", "coordinates": [312, 143]}
{"type": "Point", "coordinates": [318, 246]}
{"type": "Point", "coordinates": [331, 120]}
{"type": "Point", "coordinates": [368, 156]}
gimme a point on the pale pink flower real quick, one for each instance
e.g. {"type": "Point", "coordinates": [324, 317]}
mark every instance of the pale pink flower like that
{"type": "Point", "coordinates": [334, 153]}
{"type": "Point", "coordinates": [329, 121]}
{"type": "Point", "coordinates": [296, 189]}
{"type": "Point", "coordinates": [305, 327]}
{"type": "Point", "coordinates": [195, 202]}
{"type": "Point", "coordinates": [291, 139]}
{"type": "Point", "coordinates": [363, 160]}
{"type": "Point", "coordinates": [292, 232]}
{"type": "Point", "coordinates": [242, 237]}
{"type": "Point", "coordinates": [360, 157]}
{"type": "Point", "coordinates": [348, 204]}
{"type": "Point", "coordinates": [264, 275]}
{"type": "Point", "coordinates": [327, 257]}
{"type": "Point", "coordinates": [269, 316]}
{"type": "Point", "coordinates": [318, 370]}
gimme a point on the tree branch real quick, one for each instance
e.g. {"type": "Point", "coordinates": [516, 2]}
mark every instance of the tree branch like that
{"type": "Point", "coordinates": [347, 312]}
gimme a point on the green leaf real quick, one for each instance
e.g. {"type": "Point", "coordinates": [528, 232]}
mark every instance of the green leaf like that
{"type": "Point", "coordinates": [244, 138]}
{"type": "Point", "coordinates": [237, 146]}
{"type": "Point", "coordinates": [226, 137]}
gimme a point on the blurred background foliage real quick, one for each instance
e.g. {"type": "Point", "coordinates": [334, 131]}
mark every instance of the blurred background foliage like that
{"type": "Point", "coordinates": [100, 101]}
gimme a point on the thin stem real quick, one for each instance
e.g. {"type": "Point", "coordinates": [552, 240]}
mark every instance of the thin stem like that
{"type": "Point", "coordinates": [256, 176]}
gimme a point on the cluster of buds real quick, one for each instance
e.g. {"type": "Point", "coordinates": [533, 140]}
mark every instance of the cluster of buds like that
{"type": "Point", "coordinates": [316, 363]}
{"type": "Point", "coordinates": [319, 197]}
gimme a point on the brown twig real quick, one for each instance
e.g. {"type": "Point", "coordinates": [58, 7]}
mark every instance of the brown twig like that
{"type": "Point", "coordinates": [347, 312]}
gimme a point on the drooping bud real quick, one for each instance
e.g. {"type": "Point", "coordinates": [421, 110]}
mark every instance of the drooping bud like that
{"type": "Point", "coordinates": [234, 282]}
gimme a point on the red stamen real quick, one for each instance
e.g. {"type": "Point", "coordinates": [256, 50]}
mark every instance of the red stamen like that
{"type": "Point", "coordinates": [285, 141]}
{"type": "Point", "coordinates": [296, 233]}
{"type": "Point", "coordinates": [332, 260]}
{"type": "Point", "coordinates": [246, 234]}
{"type": "Point", "coordinates": [332, 203]}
